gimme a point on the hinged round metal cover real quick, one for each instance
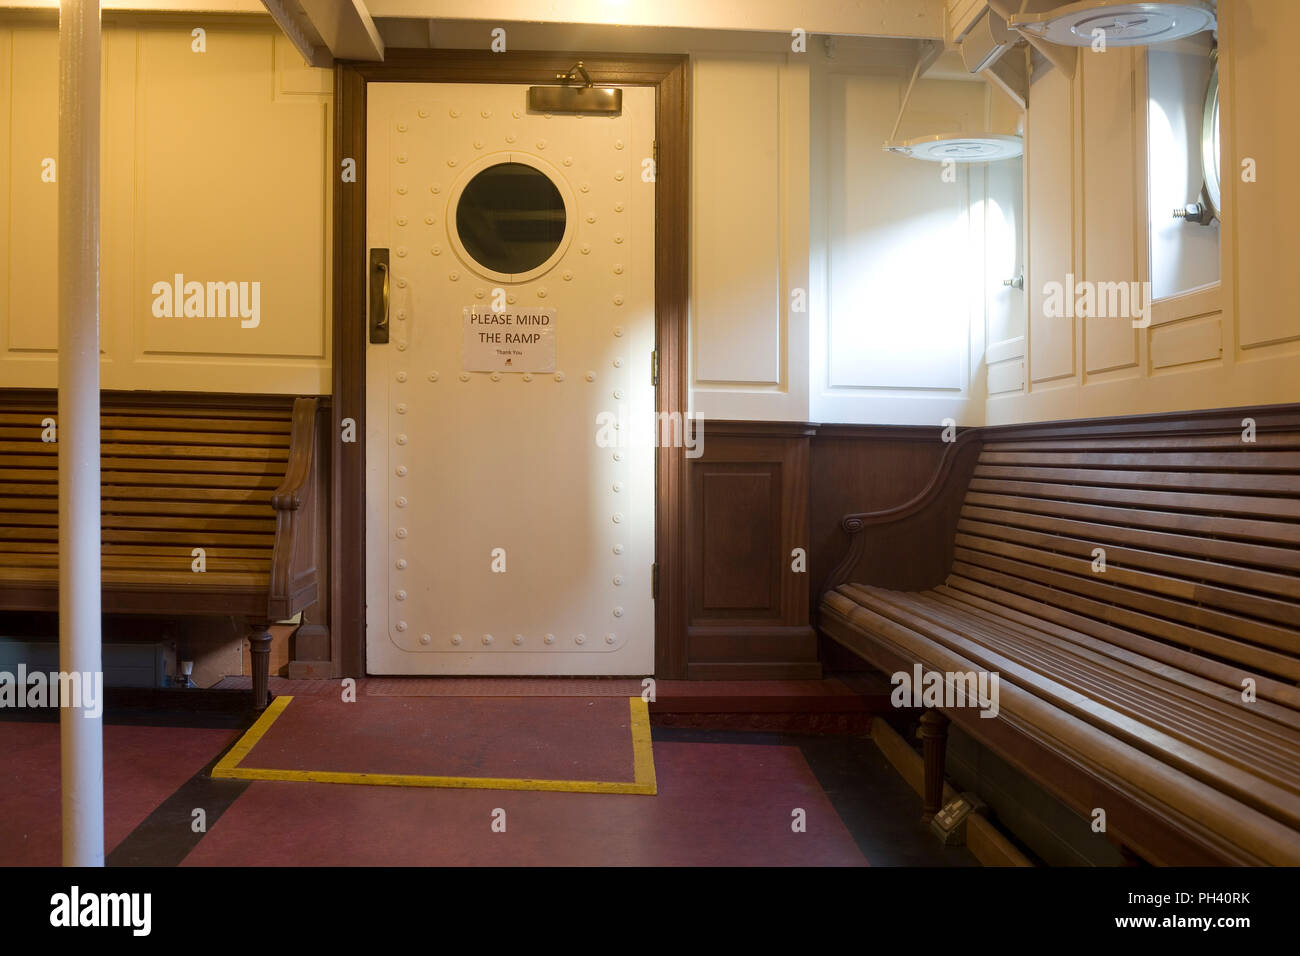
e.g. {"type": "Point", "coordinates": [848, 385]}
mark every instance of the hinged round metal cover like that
{"type": "Point", "coordinates": [1120, 22]}
{"type": "Point", "coordinates": [961, 147]}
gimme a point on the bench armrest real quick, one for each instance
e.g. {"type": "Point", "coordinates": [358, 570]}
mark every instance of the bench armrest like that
{"type": "Point", "coordinates": [917, 518]}
{"type": "Point", "coordinates": [294, 566]}
{"type": "Point", "coordinates": [854, 523]}
{"type": "Point", "coordinates": [302, 440]}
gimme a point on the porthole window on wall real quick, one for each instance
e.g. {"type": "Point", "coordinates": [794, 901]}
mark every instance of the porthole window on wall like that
{"type": "Point", "coordinates": [1210, 139]}
{"type": "Point", "coordinates": [510, 218]}
{"type": "Point", "coordinates": [1183, 171]}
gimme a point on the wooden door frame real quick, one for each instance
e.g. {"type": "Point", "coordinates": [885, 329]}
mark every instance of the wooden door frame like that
{"type": "Point", "coordinates": [669, 76]}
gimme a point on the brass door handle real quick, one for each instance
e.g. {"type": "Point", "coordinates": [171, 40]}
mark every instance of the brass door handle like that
{"type": "Point", "coordinates": [380, 299]}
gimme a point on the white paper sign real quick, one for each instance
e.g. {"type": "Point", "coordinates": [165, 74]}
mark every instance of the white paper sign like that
{"type": "Point", "coordinates": [513, 340]}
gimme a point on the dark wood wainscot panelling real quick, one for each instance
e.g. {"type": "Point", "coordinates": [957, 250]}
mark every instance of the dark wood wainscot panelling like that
{"type": "Point", "coordinates": [747, 512]}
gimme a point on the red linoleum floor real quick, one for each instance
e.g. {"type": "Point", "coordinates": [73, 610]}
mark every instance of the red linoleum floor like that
{"type": "Point", "coordinates": [142, 767]}
{"type": "Point", "coordinates": [718, 804]}
{"type": "Point", "coordinates": [546, 738]}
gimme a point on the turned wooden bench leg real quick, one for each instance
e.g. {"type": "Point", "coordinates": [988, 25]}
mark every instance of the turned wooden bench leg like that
{"type": "Point", "coordinates": [934, 739]}
{"type": "Point", "coordinates": [259, 646]}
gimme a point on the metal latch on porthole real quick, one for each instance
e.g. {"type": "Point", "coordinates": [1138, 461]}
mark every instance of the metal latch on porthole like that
{"type": "Point", "coordinates": [379, 296]}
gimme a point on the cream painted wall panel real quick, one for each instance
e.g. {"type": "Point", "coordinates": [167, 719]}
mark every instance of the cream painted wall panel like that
{"type": "Point", "coordinates": [1004, 253]}
{"type": "Point", "coordinates": [796, 235]}
{"type": "Point", "coordinates": [1006, 349]}
{"type": "Point", "coordinates": [215, 165]}
{"type": "Point", "coordinates": [1218, 345]}
{"type": "Point", "coordinates": [1112, 207]}
{"type": "Point", "coordinates": [31, 224]}
{"type": "Point", "coordinates": [749, 241]}
{"type": "Point", "coordinates": [1260, 37]}
{"type": "Point", "coordinates": [1005, 114]}
{"type": "Point", "coordinates": [1049, 165]}
{"type": "Point", "coordinates": [1185, 343]}
{"type": "Point", "coordinates": [1006, 377]}
{"type": "Point", "coordinates": [899, 313]}
{"type": "Point", "coordinates": [217, 151]}
{"type": "Point", "coordinates": [737, 221]}
{"type": "Point", "coordinates": [28, 206]}
{"type": "Point", "coordinates": [116, 204]}
{"type": "Point", "coordinates": [899, 310]}
{"type": "Point", "coordinates": [293, 74]}
{"type": "Point", "coordinates": [6, 161]}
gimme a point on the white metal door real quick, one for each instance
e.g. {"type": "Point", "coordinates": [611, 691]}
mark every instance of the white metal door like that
{"type": "Point", "coordinates": [510, 508]}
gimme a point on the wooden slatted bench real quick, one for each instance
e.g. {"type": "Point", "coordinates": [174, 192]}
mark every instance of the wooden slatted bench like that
{"type": "Point", "coordinates": [1161, 689]}
{"type": "Point", "coordinates": [235, 476]}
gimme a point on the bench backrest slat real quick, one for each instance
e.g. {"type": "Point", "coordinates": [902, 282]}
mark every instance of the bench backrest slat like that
{"type": "Point", "coordinates": [174, 477]}
{"type": "Point", "coordinates": [1200, 533]}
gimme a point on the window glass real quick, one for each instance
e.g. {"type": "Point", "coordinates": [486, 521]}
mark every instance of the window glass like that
{"type": "Point", "coordinates": [510, 218]}
{"type": "Point", "coordinates": [1181, 158]}
{"type": "Point", "coordinates": [1210, 141]}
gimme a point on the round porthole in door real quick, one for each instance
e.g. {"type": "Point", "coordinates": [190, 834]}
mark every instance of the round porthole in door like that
{"type": "Point", "coordinates": [510, 217]}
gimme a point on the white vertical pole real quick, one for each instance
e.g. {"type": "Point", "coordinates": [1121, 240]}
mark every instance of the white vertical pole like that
{"type": "Point", "coordinates": [81, 737]}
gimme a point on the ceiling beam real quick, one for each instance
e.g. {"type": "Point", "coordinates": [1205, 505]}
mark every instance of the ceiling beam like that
{"type": "Point", "coordinates": [297, 30]}
{"type": "Point", "coordinates": [917, 19]}
{"type": "Point", "coordinates": [346, 27]}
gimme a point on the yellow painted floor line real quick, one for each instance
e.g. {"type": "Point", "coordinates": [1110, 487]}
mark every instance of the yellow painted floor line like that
{"type": "Point", "coordinates": [643, 781]}
{"type": "Point", "coordinates": [246, 743]}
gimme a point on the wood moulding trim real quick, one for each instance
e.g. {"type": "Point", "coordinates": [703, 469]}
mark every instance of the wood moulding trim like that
{"type": "Point", "coordinates": [878, 432]}
{"type": "Point", "coordinates": [756, 429]}
{"type": "Point", "coordinates": [669, 75]}
{"type": "Point", "coordinates": [1200, 421]}
{"type": "Point", "coordinates": [762, 643]}
{"type": "Point", "coordinates": [754, 670]}
{"type": "Point", "coordinates": [728, 428]}
{"type": "Point", "coordinates": [1278, 416]}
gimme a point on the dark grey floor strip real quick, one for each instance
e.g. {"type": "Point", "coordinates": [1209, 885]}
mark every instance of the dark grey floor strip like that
{"type": "Point", "coordinates": [167, 835]}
